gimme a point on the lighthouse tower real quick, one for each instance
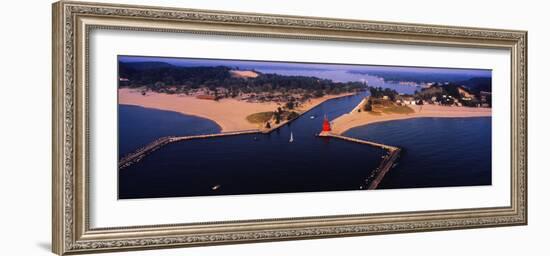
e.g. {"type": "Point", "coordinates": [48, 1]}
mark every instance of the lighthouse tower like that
{"type": "Point", "coordinates": [326, 127]}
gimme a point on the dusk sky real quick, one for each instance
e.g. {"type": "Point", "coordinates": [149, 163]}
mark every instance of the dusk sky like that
{"type": "Point", "coordinates": [266, 65]}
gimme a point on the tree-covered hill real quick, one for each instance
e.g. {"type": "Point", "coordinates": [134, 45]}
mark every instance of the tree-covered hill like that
{"type": "Point", "coordinates": [220, 81]}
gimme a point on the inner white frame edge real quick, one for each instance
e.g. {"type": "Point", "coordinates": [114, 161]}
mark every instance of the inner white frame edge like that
{"type": "Point", "coordinates": [107, 211]}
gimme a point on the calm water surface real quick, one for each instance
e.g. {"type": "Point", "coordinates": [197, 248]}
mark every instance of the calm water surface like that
{"type": "Point", "coordinates": [138, 126]}
{"type": "Point", "coordinates": [256, 163]}
{"type": "Point", "coordinates": [438, 152]}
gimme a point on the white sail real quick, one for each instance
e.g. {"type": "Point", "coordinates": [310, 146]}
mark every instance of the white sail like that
{"type": "Point", "coordinates": [291, 137]}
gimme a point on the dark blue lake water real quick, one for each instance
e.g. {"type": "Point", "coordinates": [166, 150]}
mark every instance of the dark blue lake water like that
{"type": "Point", "coordinates": [256, 163]}
{"type": "Point", "coordinates": [138, 126]}
{"type": "Point", "coordinates": [438, 152]}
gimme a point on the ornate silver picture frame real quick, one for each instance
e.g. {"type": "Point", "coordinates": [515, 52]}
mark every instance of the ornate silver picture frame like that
{"type": "Point", "coordinates": [74, 21]}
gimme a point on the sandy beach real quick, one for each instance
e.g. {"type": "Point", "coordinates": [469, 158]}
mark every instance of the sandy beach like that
{"type": "Point", "coordinates": [229, 114]}
{"type": "Point", "coordinates": [354, 119]}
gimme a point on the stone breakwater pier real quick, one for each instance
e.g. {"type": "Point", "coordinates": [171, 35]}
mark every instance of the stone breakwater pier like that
{"type": "Point", "coordinates": [385, 166]}
{"type": "Point", "coordinates": [388, 161]}
{"type": "Point", "coordinates": [142, 152]}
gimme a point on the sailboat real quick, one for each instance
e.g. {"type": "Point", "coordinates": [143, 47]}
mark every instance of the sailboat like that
{"type": "Point", "coordinates": [291, 137]}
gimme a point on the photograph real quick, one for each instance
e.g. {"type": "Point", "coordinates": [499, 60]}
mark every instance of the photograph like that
{"type": "Point", "coordinates": [202, 125]}
{"type": "Point", "coordinates": [212, 127]}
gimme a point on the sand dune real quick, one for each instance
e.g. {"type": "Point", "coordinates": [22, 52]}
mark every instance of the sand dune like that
{"type": "Point", "coordinates": [244, 73]}
{"type": "Point", "coordinates": [354, 119]}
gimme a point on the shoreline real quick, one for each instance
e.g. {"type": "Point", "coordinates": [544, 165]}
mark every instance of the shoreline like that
{"type": "Point", "coordinates": [352, 120]}
{"type": "Point", "coordinates": [229, 114]}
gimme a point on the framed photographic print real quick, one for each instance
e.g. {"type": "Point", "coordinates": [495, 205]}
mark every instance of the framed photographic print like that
{"type": "Point", "coordinates": [179, 127]}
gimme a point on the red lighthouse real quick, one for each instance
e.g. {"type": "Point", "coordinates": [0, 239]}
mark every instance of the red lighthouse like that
{"type": "Point", "coordinates": [326, 125]}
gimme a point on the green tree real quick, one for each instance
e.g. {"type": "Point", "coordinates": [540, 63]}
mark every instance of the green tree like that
{"type": "Point", "coordinates": [277, 117]}
{"type": "Point", "coordinates": [292, 115]}
{"type": "Point", "coordinates": [158, 85]}
{"type": "Point", "coordinates": [318, 94]}
{"type": "Point", "coordinates": [368, 106]}
{"type": "Point", "coordinates": [290, 105]}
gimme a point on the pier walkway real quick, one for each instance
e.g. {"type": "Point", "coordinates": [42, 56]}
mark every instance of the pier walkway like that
{"type": "Point", "coordinates": [205, 136]}
{"type": "Point", "coordinates": [139, 154]}
{"type": "Point", "coordinates": [386, 164]}
{"type": "Point", "coordinates": [384, 168]}
{"type": "Point", "coordinates": [374, 144]}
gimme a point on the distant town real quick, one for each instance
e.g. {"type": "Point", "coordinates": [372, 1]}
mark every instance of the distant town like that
{"type": "Point", "coordinates": [445, 94]}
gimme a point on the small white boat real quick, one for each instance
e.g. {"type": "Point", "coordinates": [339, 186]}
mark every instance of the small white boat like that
{"type": "Point", "coordinates": [291, 137]}
{"type": "Point", "coordinates": [216, 187]}
{"type": "Point", "coordinates": [312, 117]}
